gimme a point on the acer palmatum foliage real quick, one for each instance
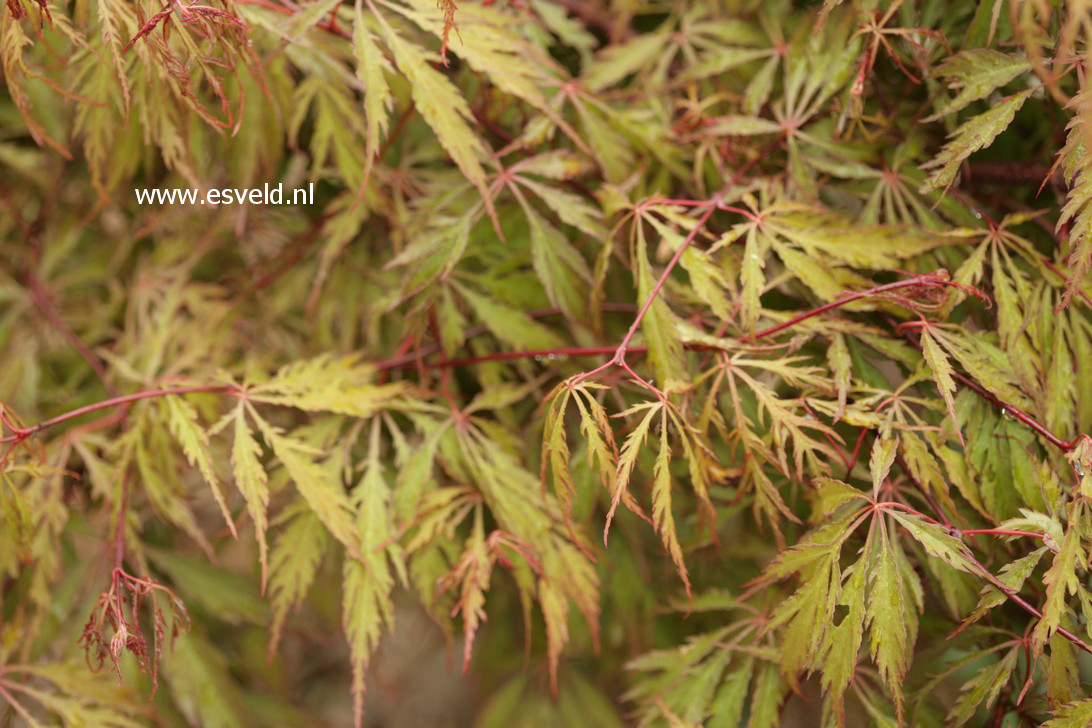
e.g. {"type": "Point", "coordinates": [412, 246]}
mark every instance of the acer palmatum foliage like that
{"type": "Point", "coordinates": [720, 363]}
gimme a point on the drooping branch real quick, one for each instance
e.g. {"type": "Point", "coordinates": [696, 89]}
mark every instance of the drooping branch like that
{"type": "Point", "coordinates": [716, 202]}
{"type": "Point", "coordinates": [983, 571]}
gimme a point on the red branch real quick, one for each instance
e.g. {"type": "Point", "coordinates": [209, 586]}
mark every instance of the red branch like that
{"type": "Point", "coordinates": [620, 355]}
{"type": "Point", "coordinates": [19, 434]}
{"type": "Point", "coordinates": [1018, 414]}
{"type": "Point", "coordinates": [619, 358]}
{"type": "Point", "coordinates": [712, 205]}
{"type": "Point", "coordinates": [926, 279]}
{"type": "Point", "coordinates": [1023, 603]}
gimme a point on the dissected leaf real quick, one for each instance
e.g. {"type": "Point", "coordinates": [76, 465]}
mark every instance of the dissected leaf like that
{"type": "Point", "coordinates": [973, 135]}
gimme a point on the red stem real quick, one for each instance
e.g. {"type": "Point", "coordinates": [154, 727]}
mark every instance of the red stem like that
{"type": "Point", "coordinates": [856, 451]}
{"type": "Point", "coordinates": [119, 534]}
{"type": "Point", "coordinates": [713, 204]}
{"type": "Point", "coordinates": [1018, 414]}
{"type": "Point", "coordinates": [1023, 603]}
{"type": "Point", "coordinates": [883, 505]}
{"type": "Point", "coordinates": [20, 434]}
{"type": "Point", "coordinates": [924, 279]}
{"type": "Point", "coordinates": [508, 355]}
{"type": "Point", "coordinates": [293, 253]}
{"type": "Point", "coordinates": [946, 521]}
{"type": "Point", "coordinates": [829, 437]}
{"type": "Point", "coordinates": [620, 354]}
{"type": "Point", "coordinates": [999, 532]}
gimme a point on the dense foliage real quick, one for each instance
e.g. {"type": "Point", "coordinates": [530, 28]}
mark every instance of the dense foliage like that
{"type": "Point", "coordinates": [720, 362]}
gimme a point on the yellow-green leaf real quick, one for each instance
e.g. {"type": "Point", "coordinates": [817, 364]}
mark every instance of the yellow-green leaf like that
{"type": "Point", "coordinates": [250, 479]}
{"type": "Point", "coordinates": [182, 421]}
{"type": "Point", "coordinates": [974, 134]}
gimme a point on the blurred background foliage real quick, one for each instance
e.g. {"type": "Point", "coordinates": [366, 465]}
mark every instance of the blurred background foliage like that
{"type": "Point", "coordinates": [367, 455]}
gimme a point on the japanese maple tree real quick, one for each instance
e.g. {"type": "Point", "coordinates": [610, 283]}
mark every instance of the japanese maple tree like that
{"type": "Point", "coordinates": [723, 363]}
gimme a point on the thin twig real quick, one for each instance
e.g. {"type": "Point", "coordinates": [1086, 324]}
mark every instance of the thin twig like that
{"type": "Point", "coordinates": [1023, 603]}
{"type": "Point", "coordinates": [986, 573]}
{"type": "Point", "coordinates": [999, 532]}
{"type": "Point", "coordinates": [926, 279]}
{"type": "Point", "coordinates": [22, 433]}
{"type": "Point", "coordinates": [119, 534]}
{"type": "Point", "coordinates": [45, 304]}
{"type": "Point", "coordinates": [1017, 413]}
{"type": "Point", "coordinates": [620, 355]}
{"type": "Point", "coordinates": [947, 522]}
{"type": "Point", "coordinates": [712, 205]}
